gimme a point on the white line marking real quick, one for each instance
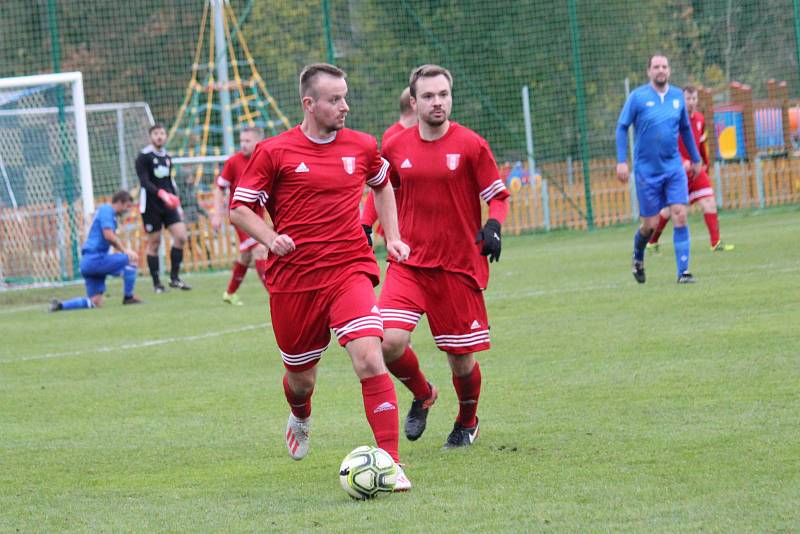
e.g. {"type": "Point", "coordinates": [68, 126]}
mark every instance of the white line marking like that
{"type": "Point", "coordinates": [133, 346]}
{"type": "Point", "coordinates": [19, 309]}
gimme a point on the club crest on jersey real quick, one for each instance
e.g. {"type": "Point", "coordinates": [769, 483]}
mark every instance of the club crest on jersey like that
{"type": "Point", "coordinates": [349, 164]}
{"type": "Point", "coordinates": [452, 161]}
{"type": "Point", "coordinates": [676, 103]}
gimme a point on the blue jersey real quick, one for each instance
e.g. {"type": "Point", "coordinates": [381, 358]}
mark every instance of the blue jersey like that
{"type": "Point", "coordinates": [657, 121]}
{"type": "Point", "coordinates": [104, 218]}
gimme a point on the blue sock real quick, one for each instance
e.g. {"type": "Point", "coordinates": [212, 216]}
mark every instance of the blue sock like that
{"type": "Point", "coordinates": [77, 303]}
{"type": "Point", "coordinates": [639, 243]}
{"type": "Point", "coordinates": [681, 242]}
{"type": "Point", "coordinates": [129, 279]}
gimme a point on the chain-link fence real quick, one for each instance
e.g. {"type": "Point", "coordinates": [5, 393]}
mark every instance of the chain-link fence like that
{"type": "Point", "coordinates": [574, 59]}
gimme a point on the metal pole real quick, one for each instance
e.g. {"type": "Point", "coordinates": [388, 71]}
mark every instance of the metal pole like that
{"type": "Point", "coordinates": [526, 111]}
{"type": "Point", "coordinates": [69, 194]}
{"type": "Point", "coordinates": [632, 181]}
{"type": "Point", "coordinates": [796, 6]}
{"type": "Point", "coordinates": [718, 184]}
{"type": "Point", "coordinates": [326, 19]}
{"type": "Point", "coordinates": [123, 158]}
{"type": "Point", "coordinates": [582, 126]}
{"type": "Point", "coordinates": [222, 77]}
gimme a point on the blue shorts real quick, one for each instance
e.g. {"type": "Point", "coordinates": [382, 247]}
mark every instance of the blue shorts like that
{"type": "Point", "coordinates": [95, 268]}
{"type": "Point", "coordinates": [656, 192]}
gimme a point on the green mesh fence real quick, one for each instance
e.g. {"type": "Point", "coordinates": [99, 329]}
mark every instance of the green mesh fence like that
{"type": "Point", "coordinates": [575, 57]}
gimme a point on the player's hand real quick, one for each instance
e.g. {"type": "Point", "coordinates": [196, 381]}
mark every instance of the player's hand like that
{"type": "Point", "coordinates": [490, 235]}
{"type": "Point", "coordinates": [133, 258]}
{"type": "Point", "coordinates": [368, 232]}
{"type": "Point", "coordinates": [623, 173]}
{"type": "Point", "coordinates": [281, 245]}
{"type": "Point", "coordinates": [687, 166]}
{"type": "Point", "coordinates": [697, 168]}
{"type": "Point", "coordinates": [216, 221]}
{"type": "Point", "coordinates": [170, 201]}
{"type": "Point", "coordinates": [398, 250]}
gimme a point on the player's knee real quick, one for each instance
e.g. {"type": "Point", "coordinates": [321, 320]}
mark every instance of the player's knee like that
{"type": "Point", "coordinates": [260, 252]}
{"type": "Point", "coordinates": [303, 382]}
{"type": "Point", "coordinates": [97, 301]}
{"type": "Point", "coordinates": [245, 257]}
{"type": "Point", "coordinates": [393, 347]}
{"type": "Point", "coordinates": [368, 361]}
{"type": "Point", "coordinates": [461, 364]}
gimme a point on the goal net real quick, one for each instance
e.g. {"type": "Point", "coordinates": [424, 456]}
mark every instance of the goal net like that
{"type": "Point", "coordinates": [45, 178]}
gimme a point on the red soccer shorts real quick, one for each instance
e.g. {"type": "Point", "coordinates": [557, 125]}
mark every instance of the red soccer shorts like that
{"type": "Point", "coordinates": [455, 308]}
{"type": "Point", "coordinates": [302, 321]}
{"type": "Point", "coordinates": [245, 241]}
{"type": "Point", "coordinates": [699, 187]}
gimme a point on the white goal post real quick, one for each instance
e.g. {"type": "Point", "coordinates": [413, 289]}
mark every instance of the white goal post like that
{"type": "Point", "coordinates": [75, 80]}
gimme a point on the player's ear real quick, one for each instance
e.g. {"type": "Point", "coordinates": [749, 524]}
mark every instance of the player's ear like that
{"type": "Point", "coordinates": [308, 104]}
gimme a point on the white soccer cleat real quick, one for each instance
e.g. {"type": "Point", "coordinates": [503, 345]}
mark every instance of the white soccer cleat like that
{"type": "Point", "coordinates": [402, 483]}
{"type": "Point", "coordinates": [297, 440]}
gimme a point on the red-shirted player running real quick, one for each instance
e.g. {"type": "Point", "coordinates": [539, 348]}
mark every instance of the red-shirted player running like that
{"type": "Point", "coordinates": [443, 171]}
{"type": "Point", "coordinates": [699, 185]}
{"type": "Point", "coordinates": [321, 271]}
{"type": "Point", "coordinates": [249, 248]}
{"type": "Point", "coordinates": [408, 118]}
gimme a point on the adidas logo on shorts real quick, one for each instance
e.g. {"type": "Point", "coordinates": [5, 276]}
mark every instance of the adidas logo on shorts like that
{"type": "Point", "coordinates": [475, 324]}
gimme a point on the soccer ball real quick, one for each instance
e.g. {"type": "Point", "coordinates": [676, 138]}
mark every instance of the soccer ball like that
{"type": "Point", "coordinates": [367, 471]}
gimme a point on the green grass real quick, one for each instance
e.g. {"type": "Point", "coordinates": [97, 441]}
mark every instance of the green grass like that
{"type": "Point", "coordinates": [606, 406]}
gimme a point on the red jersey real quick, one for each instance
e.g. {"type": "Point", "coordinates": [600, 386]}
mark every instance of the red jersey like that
{"type": "Point", "coordinates": [698, 123]}
{"type": "Point", "coordinates": [391, 130]}
{"type": "Point", "coordinates": [441, 184]}
{"type": "Point", "coordinates": [312, 192]}
{"type": "Point", "coordinates": [231, 171]}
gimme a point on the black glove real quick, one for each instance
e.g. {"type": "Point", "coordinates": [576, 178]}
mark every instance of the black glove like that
{"type": "Point", "coordinates": [490, 235]}
{"type": "Point", "coordinates": [367, 232]}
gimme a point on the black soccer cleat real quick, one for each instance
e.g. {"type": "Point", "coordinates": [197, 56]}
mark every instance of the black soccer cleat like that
{"type": "Point", "coordinates": [158, 289]}
{"type": "Point", "coordinates": [55, 305]}
{"type": "Point", "coordinates": [133, 299]}
{"type": "Point", "coordinates": [417, 416]}
{"type": "Point", "coordinates": [686, 278]}
{"type": "Point", "coordinates": [462, 437]}
{"type": "Point", "coordinates": [177, 283]}
{"type": "Point", "coordinates": [638, 271]}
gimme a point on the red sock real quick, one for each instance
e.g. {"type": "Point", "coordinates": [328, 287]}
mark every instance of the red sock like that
{"type": "Point", "coordinates": [380, 404]}
{"type": "Point", "coordinates": [261, 269]}
{"type": "Point", "coordinates": [239, 270]}
{"type": "Point", "coordinates": [300, 405]}
{"type": "Point", "coordinates": [468, 389]}
{"type": "Point", "coordinates": [713, 227]}
{"type": "Point", "coordinates": [406, 369]}
{"type": "Point", "coordinates": [662, 222]}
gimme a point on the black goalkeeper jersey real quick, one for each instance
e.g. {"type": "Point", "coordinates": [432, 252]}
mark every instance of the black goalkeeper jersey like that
{"type": "Point", "coordinates": [154, 169]}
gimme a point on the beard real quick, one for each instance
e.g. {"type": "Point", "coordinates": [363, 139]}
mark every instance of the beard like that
{"type": "Point", "coordinates": [434, 121]}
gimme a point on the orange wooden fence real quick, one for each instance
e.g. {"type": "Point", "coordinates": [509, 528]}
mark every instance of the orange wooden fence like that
{"type": "Point", "coordinates": [34, 240]}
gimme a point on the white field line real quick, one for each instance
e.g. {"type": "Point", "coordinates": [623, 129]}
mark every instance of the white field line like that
{"type": "Point", "coordinates": [20, 309]}
{"type": "Point", "coordinates": [134, 346]}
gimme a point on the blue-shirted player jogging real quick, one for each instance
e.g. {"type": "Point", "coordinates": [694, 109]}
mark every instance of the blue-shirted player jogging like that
{"type": "Point", "coordinates": [658, 114]}
{"type": "Point", "coordinates": [97, 263]}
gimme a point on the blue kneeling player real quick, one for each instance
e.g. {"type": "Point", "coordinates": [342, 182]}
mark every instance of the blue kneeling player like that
{"type": "Point", "coordinates": [97, 263]}
{"type": "Point", "coordinates": [658, 114]}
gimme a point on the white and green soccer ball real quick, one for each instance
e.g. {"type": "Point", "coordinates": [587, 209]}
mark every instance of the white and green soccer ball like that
{"type": "Point", "coordinates": [367, 471]}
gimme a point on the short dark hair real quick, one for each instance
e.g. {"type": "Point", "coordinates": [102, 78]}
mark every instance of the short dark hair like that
{"type": "Point", "coordinates": [427, 71]}
{"type": "Point", "coordinates": [156, 126]}
{"type": "Point", "coordinates": [405, 102]}
{"type": "Point", "coordinates": [650, 60]}
{"type": "Point", "coordinates": [121, 196]}
{"type": "Point", "coordinates": [254, 129]}
{"type": "Point", "coordinates": [690, 89]}
{"type": "Point", "coordinates": [310, 72]}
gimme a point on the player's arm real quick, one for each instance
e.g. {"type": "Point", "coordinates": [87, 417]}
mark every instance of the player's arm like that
{"type": "Point", "coordinates": [386, 206]}
{"type": "Point", "coordinates": [626, 118]}
{"type": "Point", "coordinates": [252, 188]}
{"type": "Point", "coordinates": [685, 130]}
{"type": "Point", "coordinates": [492, 191]}
{"type": "Point", "coordinates": [219, 200]}
{"type": "Point", "coordinates": [106, 217]}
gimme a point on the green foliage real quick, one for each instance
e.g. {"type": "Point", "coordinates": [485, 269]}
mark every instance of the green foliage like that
{"type": "Point", "coordinates": [606, 406]}
{"type": "Point", "coordinates": [142, 50]}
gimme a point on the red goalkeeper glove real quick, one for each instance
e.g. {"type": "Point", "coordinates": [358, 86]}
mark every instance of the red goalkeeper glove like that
{"type": "Point", "coordinates": [170, 201]}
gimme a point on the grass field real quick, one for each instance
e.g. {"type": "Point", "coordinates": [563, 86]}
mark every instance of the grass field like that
{"type": "Point", "coordinates": [606, 406]}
